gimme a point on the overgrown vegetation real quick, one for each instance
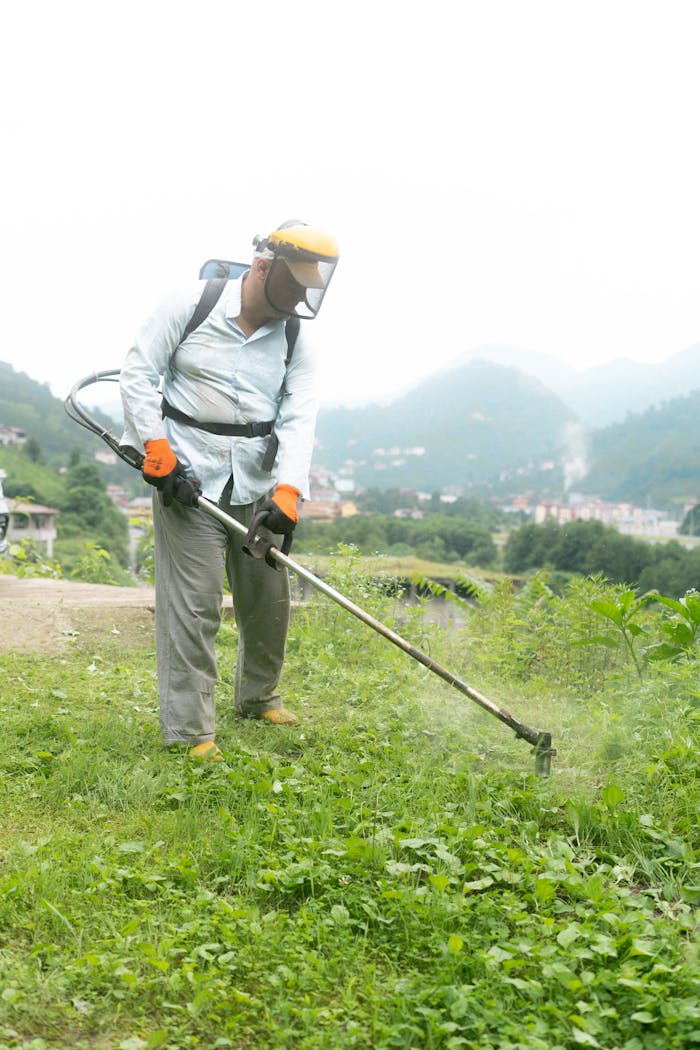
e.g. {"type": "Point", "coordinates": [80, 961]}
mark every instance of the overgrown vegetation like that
{"type": "Point", "coordinates": [392, 874]}
{"type": "Point", "coordinates": [87, 510]}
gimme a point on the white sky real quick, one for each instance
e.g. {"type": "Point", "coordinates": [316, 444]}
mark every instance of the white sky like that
{"type": "Point", "coordinates": [520, 172]}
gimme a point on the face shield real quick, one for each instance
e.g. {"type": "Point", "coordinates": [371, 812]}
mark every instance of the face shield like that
{"type": "Point", "coordinates": [297, 288]}
{"type": "Point", "coordinates": [303, 260]}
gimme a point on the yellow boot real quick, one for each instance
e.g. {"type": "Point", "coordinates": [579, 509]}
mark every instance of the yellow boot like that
{"type": "Point", "coordinates": [208, 751]}
{"type": "Point", "coordinates": [279, 716]}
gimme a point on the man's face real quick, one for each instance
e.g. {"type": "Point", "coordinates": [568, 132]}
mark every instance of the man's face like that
{"type": "Point", "coordinates": [282, 291]}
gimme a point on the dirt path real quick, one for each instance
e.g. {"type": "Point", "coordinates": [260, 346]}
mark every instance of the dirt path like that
{"type": "Point", "coordinates": [40, 615]}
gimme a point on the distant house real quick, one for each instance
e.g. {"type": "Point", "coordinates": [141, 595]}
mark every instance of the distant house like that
{"type": "Point", "coordinates": [326, 510]}
{"type": "Point", "coordinates": [30, 521]}
{"type": "Point", "coordinates": [12, 435]}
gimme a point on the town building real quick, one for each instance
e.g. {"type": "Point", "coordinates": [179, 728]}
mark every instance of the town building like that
{"type": "Point", "coordinates": [31, 521]}
{"type": "Point", "coordinates": [12, 435]}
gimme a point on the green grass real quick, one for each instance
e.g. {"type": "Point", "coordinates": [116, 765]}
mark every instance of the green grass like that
{"type": "Point", "coordinates": [391, 874]}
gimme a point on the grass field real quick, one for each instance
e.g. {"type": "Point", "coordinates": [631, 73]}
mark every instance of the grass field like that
{"type": "Point", "coordinates": [390, 874]}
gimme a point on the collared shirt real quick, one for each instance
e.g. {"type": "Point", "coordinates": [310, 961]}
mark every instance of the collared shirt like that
{"type": "Point", "coordinates": [218, 375]}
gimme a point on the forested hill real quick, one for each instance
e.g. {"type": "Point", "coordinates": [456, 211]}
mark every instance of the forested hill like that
{"type": "Point", "coordinates": [653, 457]}
{"type": "Point", "coordinates": [465, 427]}
{"type": "Point", "coordinates": [31, 406]}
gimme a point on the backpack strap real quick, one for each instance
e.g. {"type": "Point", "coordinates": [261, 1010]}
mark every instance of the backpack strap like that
{"type": "Point", "coordinates": [210, 296]}
{"type": "Point", "coordinates": [291, 331]}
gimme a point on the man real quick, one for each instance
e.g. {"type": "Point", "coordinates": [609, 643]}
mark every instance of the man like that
{"type": "Point", "coordinates": [242, 377]}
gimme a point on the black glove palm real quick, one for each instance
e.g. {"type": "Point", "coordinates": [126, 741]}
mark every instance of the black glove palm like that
{"type": "Point", "coordinates": [273, 518]}
{"type": "Point", "coordinates": [176, 485]}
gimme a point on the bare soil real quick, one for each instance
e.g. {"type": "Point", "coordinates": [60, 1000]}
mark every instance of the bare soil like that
{"type": "Point", "coordinates": [45, 616]}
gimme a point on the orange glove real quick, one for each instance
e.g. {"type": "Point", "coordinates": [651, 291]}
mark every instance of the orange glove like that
{"type": "Point", "coordinates": [160, 459]}
{"type": "Point", "coordinates": [279, 515]}
{"type": "Point", "coordinates": [162, 469]}
{"type": "Point", "coordinates": [286, 496]}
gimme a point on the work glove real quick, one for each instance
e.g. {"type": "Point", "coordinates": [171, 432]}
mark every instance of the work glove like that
{"type": "Point", "coordinates": [279, 515]}
{"type": "Point", "coordinates": [281, 510]}
{"type": "Point", "coordinates": [163, 469]}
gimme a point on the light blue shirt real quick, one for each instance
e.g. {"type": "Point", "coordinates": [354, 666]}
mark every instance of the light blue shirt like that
{"type": "Point", "coordinates": [219, 376]}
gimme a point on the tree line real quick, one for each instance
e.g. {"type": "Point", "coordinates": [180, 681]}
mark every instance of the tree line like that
{"type": "Point", "coordinates": [461, 531]}
{"type": "Point", "coordinates": [435, 537]}
{"type": "Point", "coordinates": [588, 548]}
{"type": "Point", "coordinates": [581, 548]}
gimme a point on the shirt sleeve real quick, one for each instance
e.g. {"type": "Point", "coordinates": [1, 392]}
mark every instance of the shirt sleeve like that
{"type": "Point", "coordinates": [296, 420]}
{"type": "Point", "coordinates": [145, 363]}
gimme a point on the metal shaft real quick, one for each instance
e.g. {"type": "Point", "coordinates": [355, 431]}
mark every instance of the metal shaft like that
{"type": "Point", "coordinates": [542, 742]}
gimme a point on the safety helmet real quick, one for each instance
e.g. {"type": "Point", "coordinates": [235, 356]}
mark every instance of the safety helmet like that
{"type": "Point", "coordinates": [304, 259]}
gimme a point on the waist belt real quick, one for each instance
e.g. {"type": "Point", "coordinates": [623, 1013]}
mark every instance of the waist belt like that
{"type": "Point", "coordinates": [242, 430]}
{"type": "Point", "coordinates": [247, 430]}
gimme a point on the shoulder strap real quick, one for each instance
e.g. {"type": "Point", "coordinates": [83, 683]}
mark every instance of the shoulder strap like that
{"type": "Point", "coordinates": [207, 301]}
{"type": "Point", "coordinates": [291, 330]}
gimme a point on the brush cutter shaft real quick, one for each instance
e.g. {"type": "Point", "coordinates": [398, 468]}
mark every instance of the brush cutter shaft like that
{"type": "Point", "coordinates": [531, 735]}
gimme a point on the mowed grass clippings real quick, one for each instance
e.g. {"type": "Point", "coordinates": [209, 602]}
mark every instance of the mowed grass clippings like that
{"type": "Point", "coordinates": [390, 874]}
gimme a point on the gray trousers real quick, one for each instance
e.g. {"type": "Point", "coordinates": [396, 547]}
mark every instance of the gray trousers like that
{"type": "Point", "coordinates": [192, 551]}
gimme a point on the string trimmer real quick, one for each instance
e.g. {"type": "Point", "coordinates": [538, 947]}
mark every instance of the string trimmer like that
{"type": "Point", "coordinates": [541, 742]}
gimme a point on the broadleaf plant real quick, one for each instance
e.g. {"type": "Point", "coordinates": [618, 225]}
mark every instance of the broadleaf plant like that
{"type": "Point", "coordinates": [681, 631]}
{"type": "Point", "coordinates": [620, 610]}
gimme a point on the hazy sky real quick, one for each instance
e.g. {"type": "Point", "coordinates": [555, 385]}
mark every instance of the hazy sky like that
{"type": "Point", "coordinates": [522, 173]}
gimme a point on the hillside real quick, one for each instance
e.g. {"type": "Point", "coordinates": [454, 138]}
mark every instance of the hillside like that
{"type": "Point", "coordinates": [487, 427]}
{"type": "Point", "coordinates": [463, 428]}
{"type": "Point", "coordinates": [652, 458]}
{"type": "Point", "coordinates": [31, 406]}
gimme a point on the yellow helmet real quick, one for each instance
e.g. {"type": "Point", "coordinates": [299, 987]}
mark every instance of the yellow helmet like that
{"type": "Point", "coordinates": [306, 252]}
{"type": "Point", "coordinates": [300, 239]}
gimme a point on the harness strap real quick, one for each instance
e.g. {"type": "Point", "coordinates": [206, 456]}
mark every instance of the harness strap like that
{"type": "Point", "coordinates": [270, 454]}
{"type": "Point", "coordinates": [246, 430]}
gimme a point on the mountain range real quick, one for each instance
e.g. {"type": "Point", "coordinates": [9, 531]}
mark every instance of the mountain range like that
{"type": "Point", "coordinates": [605, 393]}
{"type": "Point", "coordinates": [469, 427]}
{"type": "Point", "coordinates": [498, 422]}
{"type": "Point", "coordinates": [624, 431]}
